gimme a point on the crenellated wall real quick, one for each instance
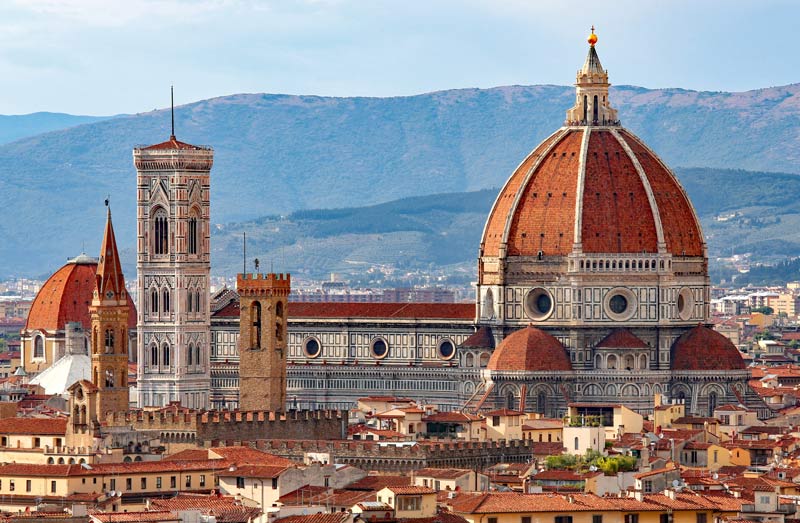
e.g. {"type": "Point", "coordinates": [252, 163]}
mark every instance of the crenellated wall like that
{"type": "Point", "coordinates": [188, 425]}
{"type": "Point", "coordinates": [373, 455]}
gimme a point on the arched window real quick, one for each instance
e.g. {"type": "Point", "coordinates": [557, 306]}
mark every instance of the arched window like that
{"type": "Point", "coordinates": [712, 403]}
{"type": "Point", "coordinates": [165, 300]}
{"type": "Point", "coordinates": [198, 354]}
{"type": "Point", "coordinates": [469, 361]}
{"type": "Point", "coordinates": [165, 355]}
{"type": "Point", "coordinates": [154, 301]}
{"type": "Point", "coordinates": [255, 312]}
{"type": "Point", "coordinates": [154, 355]}
{"type": "Point", "coordinates": [160, 232]}
{"type": "Point", "coordinates": [510, 404]}
{"type": "Point", "coordinates": [189, 301]}
{"type": "Point", "coordinates": [594, 109]}
{"type": "Point", "coordinates": [577, 443]}
{"type": "Point", "coordinates": [585, 108]}
{"type": "Point", "coordinates": [109, 347]}
{"type": "Point", "coordinates": [190, 353]}
{"type": "Point", "coordinates": [541, 403]}
{"type": "Point", "coordinates": [484, 359]}
{"type": "Point", "coordinates": [94, 340]}
{"type": "Point", "coordinates": [38, 347]}
{"type": "Point", "coordinates": [611, 362]}
{"type": "Point", "coordinates": [197, 302]}
{"type": "Point", "coordinates": [279, 309]}
{"type": "Point", "coordinates": [192, 239]}
{"type": "Point", "coordinates": [109, 377]}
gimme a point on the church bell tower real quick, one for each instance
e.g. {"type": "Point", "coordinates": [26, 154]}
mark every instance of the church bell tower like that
{"type": "Point", "coordinates": [262, 340]}
{"type": "Point", "coordinates": [109, 314]}
{"type": "Point", "coordinates": [173, 263]}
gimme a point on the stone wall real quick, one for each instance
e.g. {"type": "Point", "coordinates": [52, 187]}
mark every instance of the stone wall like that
{"type": "Point", "coordinates": [376, 456]}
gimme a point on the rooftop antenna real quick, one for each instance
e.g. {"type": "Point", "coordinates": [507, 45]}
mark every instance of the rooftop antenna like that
{"type": "Point", "coordinates": [172, 110]}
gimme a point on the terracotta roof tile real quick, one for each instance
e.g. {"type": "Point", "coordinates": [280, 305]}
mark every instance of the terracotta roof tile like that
{"type": "Point", "coordinates": [35, 426]}
{"type": "Point", "coordinates": [530, 349]}
{"type": "Point", "coordinates": [702, 348]}
{"type": "Point", "coordinates": [622, 339]}
{"type": "Point", "coordinates": [480, 339]}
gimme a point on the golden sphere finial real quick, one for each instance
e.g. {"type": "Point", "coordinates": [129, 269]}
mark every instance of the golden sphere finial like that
{"type": "Point", "coordinates": [592, 38]}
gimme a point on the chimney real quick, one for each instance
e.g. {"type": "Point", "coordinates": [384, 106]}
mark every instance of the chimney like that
{"type": "Point", "coordinates": [670, 493]}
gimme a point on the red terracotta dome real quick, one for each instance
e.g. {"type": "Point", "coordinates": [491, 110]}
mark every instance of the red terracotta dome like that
{"type": "Point", "coordinates": [66, 297]}
{"type": "Point", "coordinates": [702, 348]}
{"type": "Point", "coordinates": [530, 349]}
{"type": "Point", "coordinates": [597, 187]}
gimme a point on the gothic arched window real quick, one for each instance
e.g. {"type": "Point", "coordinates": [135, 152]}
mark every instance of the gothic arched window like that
{"type": "Point", "coordinates": [190, 352]}
{"type": "Point", "coordinates": [255, 313]}
{"type": "Point", "coordinates": [160, 232]}
{"type": "Point", "coordinates": [541, 403]}
{"type": "Point", "coordinates": [192, 235]}
{"type": "Point", "coordinates": [197, 302]}
{"type": "Point", "coordinates": [38, 347]}
{"type": "Point", "coordinates": [154, 355]}
{"type": "Point", "coordinates": [594, 109]}
{"type": "Point", "coordinates": [712, 403]}
{"type": "Point", "coordinates": [198, 355]}
{"type": "Point", "coordinates": [189, 302]}
{"type": "Point", "coordinates": [154, 301]}
{"type": "Point", "coordinates": [165, 355]}
{"type": "Point", "coordinates": [109, 347]}
{"type": "Point", "coordinates": [165, 300]}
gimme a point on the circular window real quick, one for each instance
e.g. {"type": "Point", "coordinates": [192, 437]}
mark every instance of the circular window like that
{"type": "Point", "coordinates": [539, 304]}
{"type": "Point", "coordinates": [446, 350]}
{"type": "Point", "coordinates": [685, 303]}
{"type": "Point", "coordinates": [620, 304]}
{"type": "Point", "coordinates": [312, 347]}
{"type": "Point", "coordinates": [379, 348]}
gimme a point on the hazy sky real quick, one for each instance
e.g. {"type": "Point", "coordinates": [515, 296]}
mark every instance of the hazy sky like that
{"type": "Point", "coordinates": [115, 56]}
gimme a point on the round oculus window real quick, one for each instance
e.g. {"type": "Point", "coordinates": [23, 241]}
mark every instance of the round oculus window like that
{"type": "Point", "coordinates": [379, 348]}
{"type": "Point", "coordinates": [446, 350]}
{"type": "Point", "coordinates": [618, 304]}
{"type": "Point", "coordinates": [685, 303]}
{"type": "Point", "coordinates": [312, 347]}
{"type": "Point", "coordinates": [539, 304]}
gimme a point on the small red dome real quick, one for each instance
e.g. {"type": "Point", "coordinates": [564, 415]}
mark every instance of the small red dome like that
{"type": "Point", "coordinates": [66, 296]}
{"type": "Point", "coordinates": [530, 349]}
{"type": "Point", "coordinates": [606, 191]}
{"type": "Point", "coordinates": [702, 348]}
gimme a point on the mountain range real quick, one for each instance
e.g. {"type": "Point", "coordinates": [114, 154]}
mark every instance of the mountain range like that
{"type": "Point", "coordinates": [278, 154]}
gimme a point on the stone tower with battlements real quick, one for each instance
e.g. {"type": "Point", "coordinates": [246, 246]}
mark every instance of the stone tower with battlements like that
{"type": "Point", "coordinates": [109, 339]}
{"type": "Point", "coordinates": [173, 265]}
{"type": "Point", "coordinates": [262, 340]}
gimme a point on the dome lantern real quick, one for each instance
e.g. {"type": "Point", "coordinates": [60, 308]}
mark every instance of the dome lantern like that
{"type": "Point", "coordinates": [592, 106]}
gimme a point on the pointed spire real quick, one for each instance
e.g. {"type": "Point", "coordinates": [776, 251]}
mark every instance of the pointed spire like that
{"type": "Point", "coordinates": [172, 111]}
{"type": "Point", "coordinates": [109, 281]}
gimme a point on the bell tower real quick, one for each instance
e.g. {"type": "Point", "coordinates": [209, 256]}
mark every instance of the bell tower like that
{"type": "Point", "coordinates": [109, 340]}
{"type": "Point", "coordinates": [173, 262]}
{"type": "Point", "coordinates": [263, 301]}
